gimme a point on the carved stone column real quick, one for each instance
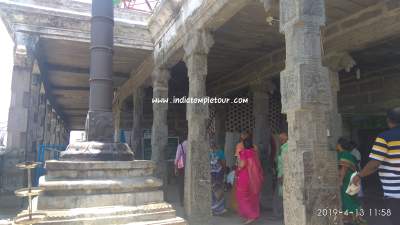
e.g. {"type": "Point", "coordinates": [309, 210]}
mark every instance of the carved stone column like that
{"type": "Point", "coordinates": [47, 124]}
{"type": "Point", "coordinates": [261, 131]}
{"type": "Point", "coordinates": [159, 132]}
{"type": "Point", "coordinates": [53, 124]}
{"type": "Point", "coordinates": [197, 174]}
{"type": "Point", "coordinates": [336, 62]}
{"type": "Point", "coordinates": [137, 132]}
{"type": "Point", "coordinates": [311, 176]}
{"type": "Point", "coordinates": [18, 116]}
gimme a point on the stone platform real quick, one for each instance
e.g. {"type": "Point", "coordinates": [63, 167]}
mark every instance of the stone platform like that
{"type": "Point", "coordinates": [104, 192]}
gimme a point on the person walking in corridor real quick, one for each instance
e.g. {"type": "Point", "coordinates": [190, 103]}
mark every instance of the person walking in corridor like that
{"type": "Point", "coordinates": [347, 166]}
{"type": "Point", "coordinates": [180, 161]}
{"type": "Point", "coordinates": [278, 193]}
{"type": "Point", "coordinates": [218, 168]}
{"type": "Point", "coordinates": [385, 157]}
{"type": "Point", "coordinates": [249, 182]}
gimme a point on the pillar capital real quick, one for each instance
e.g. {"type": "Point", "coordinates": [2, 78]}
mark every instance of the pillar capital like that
{"type": "Point", "coordinates": [197, 45]}
{"type": "Point", "coordinates": [197, 42]}
{"type": "Point", "coordinates": [262, 86]}
{"type": "Point", "coordinates": [337, 61]}
{"type": "Point", "coordinates": [160, 78]}
{"type": "Point", "coordinates": [301, 12]}
{"type": "Point", "coordinates": [24, 49]}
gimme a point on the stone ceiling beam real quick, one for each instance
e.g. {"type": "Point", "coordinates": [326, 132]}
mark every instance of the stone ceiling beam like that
{"type": "Point", "coordinates": [79, 71]}
{"type": "Point", "coordinates": [138, 78]}
{"type": "Point", "coordinates": [70, 88]}
{"type": "Point", "coordinates": [346, 35]}
{"type": "Point", "coordinates": [70, 25]}
{"type": "Point", "coordinates": [194, 15]}
{"type": "Point", "coordinates": [168, 44]}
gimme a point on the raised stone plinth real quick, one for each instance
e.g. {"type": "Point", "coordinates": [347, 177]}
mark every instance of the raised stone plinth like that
{"type": "Point", "coordinates": [104, 192]}
{"type": "Point", "coordinates": [97, 151]}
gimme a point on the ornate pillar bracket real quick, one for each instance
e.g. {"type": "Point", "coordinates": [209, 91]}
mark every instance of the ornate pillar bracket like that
{"type": "Point", "coordinates": [339, 61]}
{"type": "Point", "coordinates": [336, 62]}
{"type": "Point", "coordinates": [25, 46]}
{"type": "Point", "coordinates": [197, 175]}
{"type": "Point", "coordinates": [305, 88]}
{"type": "Point", "coordinates": [197, 46]}
{"type": "Point", "coordinates": [262, 86]}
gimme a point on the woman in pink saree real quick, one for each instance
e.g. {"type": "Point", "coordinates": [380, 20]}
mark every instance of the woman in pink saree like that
{"type": "Point", "coordinates": [249, 182]}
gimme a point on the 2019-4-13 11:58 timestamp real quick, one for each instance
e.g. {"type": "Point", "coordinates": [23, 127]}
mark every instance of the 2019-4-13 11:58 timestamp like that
{"type": "Point", "coordinates": [358, 212]}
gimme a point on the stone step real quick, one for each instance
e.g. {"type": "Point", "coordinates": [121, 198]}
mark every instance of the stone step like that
{"type": "Point", "coordinates": [99, 186]}
{"type": "Point", "coordinates": [174, 221]}
{"type": "Point", "coordinates": [145, 214]}
{"type": "Point", "coordinates": [71, 201]}
{"type": "Point", "coordinates": [65, 170]}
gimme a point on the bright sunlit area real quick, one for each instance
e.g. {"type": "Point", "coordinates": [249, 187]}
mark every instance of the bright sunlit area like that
{"type": "Point", "coordinates": [76, 136]}
{"type": "Point", "coordinates": [140, 5]}
{"type": "Point", "coordinates": [6, 65]}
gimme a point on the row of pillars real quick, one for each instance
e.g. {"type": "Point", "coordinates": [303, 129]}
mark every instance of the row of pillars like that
{"type": "Point", "coordinates": [309, 96]}
{"type": "Point", "coordinates": [32, 120]}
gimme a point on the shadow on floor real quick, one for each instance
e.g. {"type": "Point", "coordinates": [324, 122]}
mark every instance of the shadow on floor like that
{"type": "Point", "coordinates": [230, 218]}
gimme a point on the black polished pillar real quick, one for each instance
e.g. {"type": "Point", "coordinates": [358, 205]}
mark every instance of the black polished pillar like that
{"type": "Point", "coordinates": [100, 144]}
{"type": "Point", "coordinates": [99, 118]}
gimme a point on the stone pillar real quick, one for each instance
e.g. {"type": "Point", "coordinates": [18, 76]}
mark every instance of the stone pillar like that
{"type": "Point", "coordinates": [53, 124]}
{"type": "Point", "coordinates": [100, 145]}
{"type": "Point", "coordinates": [336, 62]}
{"type": "Point", "coordinates": [311, 176]}
{"type": "Point", "coordinates": [18, 116]}
{"type": "Point", "coordinates": [137, 132]}
{"type": "Point", "coordinates": [47, 124]}
{"type": "Point", "coordinates": [58, 132]}
{"type": "Point", "coordinates": [261, 131]}
{"type": "Point", "coordinates": [33, 113]}
{"type": "Point", "coordinates": [42, 118]}
{"type": "Point", "coordinates": [99, 120]}
{"type": "Point", "coordinates": [197, 174]}
{"type": "Point", "coordinates": [159, 130]}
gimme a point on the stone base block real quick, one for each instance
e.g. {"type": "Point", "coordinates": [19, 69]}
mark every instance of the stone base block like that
{"type": "Point", "coordinates": [71, 170]}
{"type": "Point", "coordinates": [72, 201]}
{"type": "Point", "coordinates": [145, 214]}
{"type": "Point", "coordinates": [103, 192]}
{"type": "Point", "coordinates": [97, 151]}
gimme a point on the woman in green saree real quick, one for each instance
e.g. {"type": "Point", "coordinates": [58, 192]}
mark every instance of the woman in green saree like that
{"type": "Point", "coordinates": [347, 166]}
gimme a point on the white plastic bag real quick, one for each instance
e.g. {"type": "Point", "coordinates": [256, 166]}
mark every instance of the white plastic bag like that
{"type": "Point", "coordinates": [353, 189]}
{"type": "Point", "coordinates": [230, 179]}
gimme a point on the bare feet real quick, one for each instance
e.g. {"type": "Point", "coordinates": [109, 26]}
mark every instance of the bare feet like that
{"type": "Point", "coordinates": [221, 213]}
{"type": "Point", "coordinates": [249, 221]}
